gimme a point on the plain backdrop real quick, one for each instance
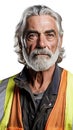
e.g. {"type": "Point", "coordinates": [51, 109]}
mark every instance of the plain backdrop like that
{"type": "Point", "coordinates": [10, 14]}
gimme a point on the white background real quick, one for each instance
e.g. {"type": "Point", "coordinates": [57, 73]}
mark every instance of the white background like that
{"type": "Point", "coordinates": [10, 14]}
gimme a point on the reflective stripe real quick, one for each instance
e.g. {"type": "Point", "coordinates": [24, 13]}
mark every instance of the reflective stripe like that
{"type": "Point", "coordinates": [69, 103]}
{"type": "Point", "coordinates": [7, 105]}
{"type": "Point", "coordinates": [0, 81]}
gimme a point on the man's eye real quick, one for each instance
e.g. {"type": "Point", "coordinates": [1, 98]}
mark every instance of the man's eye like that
{"type": "Point", "coordinates": [50, 36]}
{"type": "Point", "coordinates": [31, 36]}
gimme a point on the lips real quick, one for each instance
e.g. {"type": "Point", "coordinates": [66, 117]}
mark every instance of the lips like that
{"type": "Point", "coordinates": [42, 54]}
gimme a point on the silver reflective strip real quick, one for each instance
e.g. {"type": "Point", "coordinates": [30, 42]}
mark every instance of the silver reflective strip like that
{"type": "Point", "coordinates": [3, 86]}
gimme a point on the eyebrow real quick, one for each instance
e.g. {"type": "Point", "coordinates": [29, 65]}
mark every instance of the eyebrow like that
{"type": "Point", "coordinates": [51, 31]}
{"type": "Point", "coordinates": [30, 31]}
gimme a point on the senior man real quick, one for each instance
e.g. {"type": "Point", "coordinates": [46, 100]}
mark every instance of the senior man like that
{"type": "Point", "coordinates": [39, 97]}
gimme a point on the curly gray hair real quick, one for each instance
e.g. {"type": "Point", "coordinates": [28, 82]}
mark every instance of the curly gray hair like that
{"type": "Point", "coordinates": [20, 28]}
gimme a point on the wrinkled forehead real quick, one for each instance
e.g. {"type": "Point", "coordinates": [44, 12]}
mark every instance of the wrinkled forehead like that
{"type": "Point", "coordinates": [41, 22]}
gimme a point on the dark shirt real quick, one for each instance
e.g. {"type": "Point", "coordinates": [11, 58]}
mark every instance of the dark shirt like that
{"type": "Point", "coordinates": [36, 108]}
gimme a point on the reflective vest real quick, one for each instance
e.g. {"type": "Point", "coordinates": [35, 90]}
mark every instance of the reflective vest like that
{"type": "Point", "coordinates": [61, 116]}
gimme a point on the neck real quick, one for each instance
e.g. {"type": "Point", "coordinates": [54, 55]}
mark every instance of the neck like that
{"type": "Point", "coordinates": [40, 80]}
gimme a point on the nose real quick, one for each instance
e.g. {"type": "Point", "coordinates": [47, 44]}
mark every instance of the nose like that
{"type": "Point", "coordinates": [41, 42]}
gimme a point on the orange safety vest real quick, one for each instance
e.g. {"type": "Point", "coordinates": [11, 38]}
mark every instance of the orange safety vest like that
{"type": "Point", "coordinates": [56, 119]}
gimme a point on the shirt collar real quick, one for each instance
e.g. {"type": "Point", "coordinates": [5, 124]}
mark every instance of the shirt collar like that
{"type": "Point", "coordinates": [21, 80]}
{"type": "Point", "coordinates": [54, 85]}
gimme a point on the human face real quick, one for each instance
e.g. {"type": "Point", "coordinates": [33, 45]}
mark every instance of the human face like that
{"type": "Point", "coordinates": [41, 31]}
{"type": "Point", "coordinates": [41, 35]}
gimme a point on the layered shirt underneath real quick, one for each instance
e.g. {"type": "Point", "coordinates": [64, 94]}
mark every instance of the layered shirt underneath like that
{"type": "Point", "coordinates": [37, 107]}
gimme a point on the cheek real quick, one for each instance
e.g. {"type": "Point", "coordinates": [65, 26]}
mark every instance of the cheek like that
{"type": "Point", "coordinates": [30, 48]}
{"type": "Point", "coordinates": [54, 46]}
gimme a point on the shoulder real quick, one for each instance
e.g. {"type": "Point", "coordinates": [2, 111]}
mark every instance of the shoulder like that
{"type": "Point", "coordinates": [63, 69]}
{"type": "Point", "coordinates": [69, 76]}
{"type": "Point", "coordinates": [6, 85]}
{"type": "Point", "coordinates": [4, 82]}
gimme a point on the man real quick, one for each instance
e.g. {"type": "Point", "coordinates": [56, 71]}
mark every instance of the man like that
{"type": "Point", "coordinates": [39, 97]}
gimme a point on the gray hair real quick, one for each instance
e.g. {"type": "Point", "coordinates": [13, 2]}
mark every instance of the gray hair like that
{"type": "Point", "coordinates": [20, 28]}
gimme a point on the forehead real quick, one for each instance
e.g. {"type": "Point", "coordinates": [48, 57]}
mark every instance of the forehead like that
{"type": "Point", "coordinates": [41, 22]}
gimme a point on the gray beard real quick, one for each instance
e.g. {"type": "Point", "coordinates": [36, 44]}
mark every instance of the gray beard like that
{"type": "Point", "coordinates": [40, 63]}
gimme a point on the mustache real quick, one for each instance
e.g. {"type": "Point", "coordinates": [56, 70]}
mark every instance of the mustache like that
{"type": "Point", "coordinates": [44, 51]}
